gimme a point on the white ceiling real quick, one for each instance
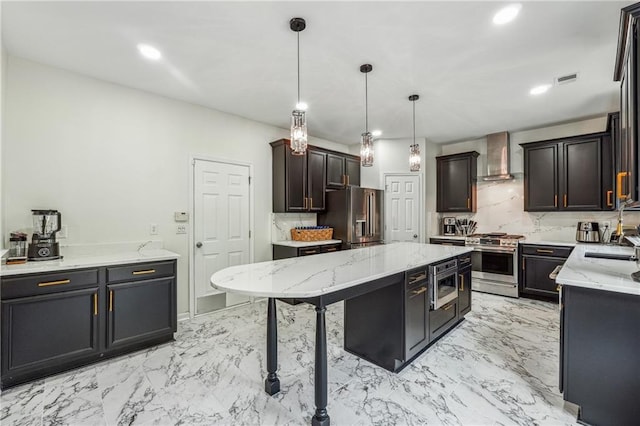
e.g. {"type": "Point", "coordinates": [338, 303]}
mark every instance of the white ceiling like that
{"type": "Point", "coordinates": [473, 77]}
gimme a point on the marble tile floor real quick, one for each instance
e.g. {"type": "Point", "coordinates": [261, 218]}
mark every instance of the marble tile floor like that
{"type": "Point", "coordinates": [498, 367]}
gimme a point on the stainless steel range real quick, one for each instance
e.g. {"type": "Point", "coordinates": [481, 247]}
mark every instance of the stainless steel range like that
{"type": "Point", "coordinates": [494, 263]}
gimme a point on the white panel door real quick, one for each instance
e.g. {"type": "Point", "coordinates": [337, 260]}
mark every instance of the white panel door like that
{"type": "Point", "coordinates": [402, 208]}
{"type": "Point", "coordinates": [221, 222]}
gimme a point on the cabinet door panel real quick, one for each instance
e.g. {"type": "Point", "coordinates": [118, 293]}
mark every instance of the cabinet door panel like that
{"type": "Point", "coordinates": [464, 291]}
{"type": "Point", "coordinates": [296, 181]}
{"type": "Point", "coordinates": [47, 330]}
{"type": "Point", "coordinates": [416, 320]}
{"type": "Point", "coordinates": [352, 166]}
{"type": "Point", "coordinates": [541, 178]}
{"type": "Point", "coordinates": [454, 189]}
{"type": "Point", "coordinates": [316, 172]}
{"type": "Point", "coordinates": [335, 171]}
{"type": "Point", "coordinates": [536, 275]}
{"type": "Point", "coordinates": [582, 175]}
{"type": "Point", "coordinates": [139, 310]}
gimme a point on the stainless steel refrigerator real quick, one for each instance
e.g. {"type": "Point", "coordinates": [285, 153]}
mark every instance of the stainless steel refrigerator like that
{"type": "Point", "coordinates": [356, 216]}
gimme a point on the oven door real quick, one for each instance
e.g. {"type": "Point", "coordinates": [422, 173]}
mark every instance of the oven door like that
{"type": "Point", "coordinates": [494, 264]}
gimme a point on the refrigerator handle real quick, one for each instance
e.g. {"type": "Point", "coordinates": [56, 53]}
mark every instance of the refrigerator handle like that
{"type": "Point", "coordinates": [372, 214]}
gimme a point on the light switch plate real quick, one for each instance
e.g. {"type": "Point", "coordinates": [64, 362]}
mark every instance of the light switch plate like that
{"type": "Point", "coordinates": [153, 229]}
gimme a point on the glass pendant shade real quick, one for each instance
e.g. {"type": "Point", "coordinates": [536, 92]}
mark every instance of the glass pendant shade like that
{"type": "Point", "coordinates": [414, 157]}
{"type": "Point", "coordinates": [298, 132]}
{"type": "Point", "coordinates": [366, 150]}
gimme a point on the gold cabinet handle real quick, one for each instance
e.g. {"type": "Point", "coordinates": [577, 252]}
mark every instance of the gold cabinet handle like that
{"type": "Point", "coordinates": [446, 308]}
{"type": "Point", "coordinates": [311, 252]}
{"type": "Point", "coordinates": [417, 292]}
{"type": "Point", "coordinates": [609, 199]}
{"type": "Point", "coordinates": [558, 287]}
{"type": "Point", "coordinates": [110, 300]}
{"type": "Point", "coordinates": [523, 263]}
{"type": "Point", "coordinates": [48, 283]}
{"type": "Point", "coordinates": [555, 200]}
{"type": "Point", "coordinates": [332, 249]}
{"type": "Point", "coordinates": [619, 177]}
{"type": "Point", "coordinates": [468, 203]}
{"type": "Point", "coordinates": [544, 251]}
{"type": "Point", "coordinates": [95, 304]}
{"type": "Point", "coordinates": [461, 282]}
{"type": "Point", "coordinates": [417, 278]}
{"type": "Point", "coordinates": [348, 180]}
{"type": "Point", "coordinates": [565, 200]}
{"type": "Point", "coordinates": [310, 203]}
{"type": "Point", "coordinates": [146, 271]}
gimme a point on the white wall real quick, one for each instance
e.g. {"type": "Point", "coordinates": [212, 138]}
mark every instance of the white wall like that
{"type": "Point", "coordinates": [114, 160]}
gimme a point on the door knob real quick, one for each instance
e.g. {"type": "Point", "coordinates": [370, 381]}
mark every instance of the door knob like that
{"type": "Point", "coordinates": [415, 235]}
{"type": "Point", "coordinates": [198, 244]}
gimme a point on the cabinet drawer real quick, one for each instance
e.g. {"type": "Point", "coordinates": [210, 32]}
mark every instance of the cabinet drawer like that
{"type": "Point", "coordinates": [330, 248]}
{"type": "Point", "coordinates": [443, 318]}
{"type": "Point", "coordinates": [542, 250]}
{"type": "Point", "coordinates": [35, 284]}
{"type": "Point", "coordinates": [141, 271]}
{"type": "Point", "coordinates": [306, 251]}
{"type": "Point", "coordinates": [464, 260]}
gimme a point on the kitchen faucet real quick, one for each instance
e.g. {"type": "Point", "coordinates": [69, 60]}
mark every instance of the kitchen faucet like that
{"type": "Point", "coordinates": [619, 228]}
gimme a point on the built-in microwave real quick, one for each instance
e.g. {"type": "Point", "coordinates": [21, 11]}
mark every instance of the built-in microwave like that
{"type": "Point", "coordinates": [444, 283]}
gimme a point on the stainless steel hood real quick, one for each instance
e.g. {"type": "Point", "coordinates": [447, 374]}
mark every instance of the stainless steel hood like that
{"type": "Point", "coordinates": [498, 157]}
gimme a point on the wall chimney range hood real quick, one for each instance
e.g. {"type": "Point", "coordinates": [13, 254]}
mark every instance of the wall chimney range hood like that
{"type": "Point", "coordinates": [498, 157]}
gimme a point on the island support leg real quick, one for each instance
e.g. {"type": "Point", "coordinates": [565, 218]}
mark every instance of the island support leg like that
{"type": "Point", "coordinates": [272, 382]}
{"type": "Point", "coordinates": [321, 417]}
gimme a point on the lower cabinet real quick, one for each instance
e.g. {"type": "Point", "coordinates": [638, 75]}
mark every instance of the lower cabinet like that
{"type": "Point", "coordinates": [391, 326]}
{"type": "Point", "coordinates": [285, 252]}
{"type": "Point", "coordinates": [464, 284]}
{"type": "Point", "coordinates": [53, 322]}
{"type": "Point", "coordinates": [536, 263]}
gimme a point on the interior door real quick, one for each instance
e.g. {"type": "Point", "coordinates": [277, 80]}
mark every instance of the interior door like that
{"type": "Point", "coordinates": [402, 208]}
{"type": "Point", "coordinates": [221, 228]}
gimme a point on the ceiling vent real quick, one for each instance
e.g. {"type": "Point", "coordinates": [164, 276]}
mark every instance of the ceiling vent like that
{"type": "Point", "coordinates": [566, 79]}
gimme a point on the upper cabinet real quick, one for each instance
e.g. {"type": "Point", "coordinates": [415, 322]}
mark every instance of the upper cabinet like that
{"type": "Point", "coordinates": [298, 180]}
{"type": "Point", "coordinates": [626, 72]}
{"type": "Point", "coordinates": [456, 182]}
{"type": "Point", "coordinates": [342, 170]}
{"type": "Point", "coordinates": [569, 174]}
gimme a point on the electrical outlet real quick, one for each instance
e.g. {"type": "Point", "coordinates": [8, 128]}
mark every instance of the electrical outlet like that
{"type": "Point", "coordinates": [62, 233]}
{"type": "Point", "coordinates": [181, 229]}
{"type": "Point", "coordinates": [606, 224]}
{"type": "Point", "coordinates": [153, 229]}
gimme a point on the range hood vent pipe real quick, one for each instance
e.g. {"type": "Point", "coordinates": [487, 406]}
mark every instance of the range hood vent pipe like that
{"type": "Point", "coordinates": [498, 157]}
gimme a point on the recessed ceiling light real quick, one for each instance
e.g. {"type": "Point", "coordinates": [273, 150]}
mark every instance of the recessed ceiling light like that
{"type": "Point", "coordinates": [538, 90]}
{"type": "Point", "coordinates": [149, 52]}
{"type": "Point", "coordinates": [301, 106]}
{"type": "Point", "coordinates": [507, 14]}
{"type": "Point", "coordinates": [376, 133]}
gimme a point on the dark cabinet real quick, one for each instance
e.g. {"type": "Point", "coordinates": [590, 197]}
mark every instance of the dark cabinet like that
{"type": "Point", "coordinates": [567, 174]}
{"type": "Point", "coordinates": [536, 263]}
{"type": "Point", "coordinates": [284, 252]}
{"type": "Point", "coordinates": [456, 177]}
{"type": "Point", "coordinates": [52, 322]}
{"type": "Point", "coordinates": [447, 241]}
{"type": "Point", "coordinates": [416, 322]}
{"type": "Point", "coordinates": [298, 180]}
{"type": "Point", "coordinates": [342, 170]}
{"type": "Point", "coordinates": [464, 284]}
{"type": "Point", "coordinates": [599, 349]}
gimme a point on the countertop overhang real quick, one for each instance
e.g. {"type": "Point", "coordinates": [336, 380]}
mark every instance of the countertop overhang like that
{"type": "Point", "coordinates": [312, 276]}
{"type": "Point", "coordinates": [600, 274]}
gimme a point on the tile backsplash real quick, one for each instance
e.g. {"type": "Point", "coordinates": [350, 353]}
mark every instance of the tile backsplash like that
{"type": "Point", "coordinates": [500, 209]}
{"type": "Point", "coordinates": [281, 224]}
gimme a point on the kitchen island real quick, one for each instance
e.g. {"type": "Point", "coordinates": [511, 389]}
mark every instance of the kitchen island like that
{"type": "Point", "coordinates": [600, 336]}
{"type": "Point", "coordinates": [325, 279]}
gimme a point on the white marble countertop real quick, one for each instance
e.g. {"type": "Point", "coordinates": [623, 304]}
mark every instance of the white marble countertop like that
{"type": "Point", "coordinates": [600, 274]}
{"type": "Point", "coordinates": [290, 243]}
{"type": "Point", "coordinates": [310, 276]}
{"type": "Point", "coordinates": [78, 261]}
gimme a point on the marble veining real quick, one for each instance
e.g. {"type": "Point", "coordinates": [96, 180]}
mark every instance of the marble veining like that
{"type": "Point", "coordinates": [600, 274]}
{"type": "Point", "coordinates": [310, 276]}
{"type": "Point", "coordinates": [498, 367]}
{"type": "Point", "coordinates": [281, 224]}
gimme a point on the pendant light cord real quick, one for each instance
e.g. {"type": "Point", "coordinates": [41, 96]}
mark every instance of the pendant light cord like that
{"type": "Point", "coordinates": [414, 122]}
{"type": "Point", "coordinates": [366, 104]}
{"type": "Point", "coordinates": [298, 69]}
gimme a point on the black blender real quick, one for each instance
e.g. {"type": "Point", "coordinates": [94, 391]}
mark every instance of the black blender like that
{"type": "Point", "coordinates": [43, 241]}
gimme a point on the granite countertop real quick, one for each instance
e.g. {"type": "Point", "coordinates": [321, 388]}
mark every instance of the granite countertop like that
{"type": "Point", "coordinates": [600, 274]}
{"type": "Point", "coordinates": [310, 276]}
{"type": "Point", "coordinates": [290, 243]}
{"type": "Point", "coordinates": [78, 261]}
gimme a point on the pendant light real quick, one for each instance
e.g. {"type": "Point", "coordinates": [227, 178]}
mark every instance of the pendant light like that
{"type": "Point", "coordinates": [366, 147]}
{"type": "Point", "coordinates": [414, 150]}
{"type": "Point", "coordinates": [298, 118]}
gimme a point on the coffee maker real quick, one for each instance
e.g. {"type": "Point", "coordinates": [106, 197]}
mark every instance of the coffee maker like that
{"type": "Point", "coordinates": [43, 241]}
{"type": "Point", "coordinates": [448, 226]}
